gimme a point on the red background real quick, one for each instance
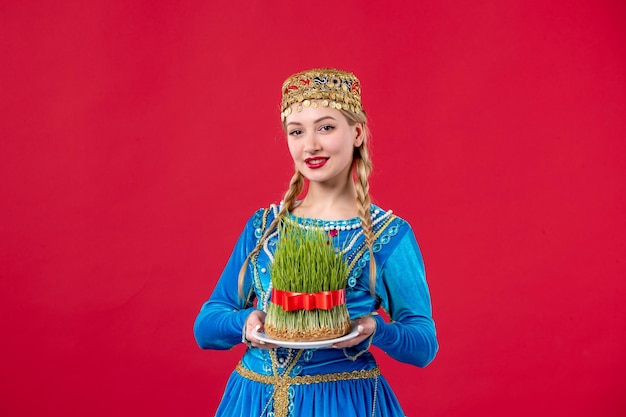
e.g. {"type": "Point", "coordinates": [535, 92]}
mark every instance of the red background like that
{"type": "Point", "coordinates": [137, 138]}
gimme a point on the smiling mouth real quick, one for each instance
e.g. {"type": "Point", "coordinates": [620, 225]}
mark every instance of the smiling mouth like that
{"type": "Point", "coordinates": [314, 163]}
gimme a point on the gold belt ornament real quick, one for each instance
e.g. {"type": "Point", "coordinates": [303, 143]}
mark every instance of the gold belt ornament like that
{"type": "Point", "coordinates": [282, 383]}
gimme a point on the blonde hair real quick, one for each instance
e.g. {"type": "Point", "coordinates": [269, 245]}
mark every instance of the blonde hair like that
{"type": "Point", "coordinates": [362, 167]}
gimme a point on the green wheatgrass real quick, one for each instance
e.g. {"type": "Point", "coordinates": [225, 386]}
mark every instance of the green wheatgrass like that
{"type": "Point", "coordinates": [306, 261]}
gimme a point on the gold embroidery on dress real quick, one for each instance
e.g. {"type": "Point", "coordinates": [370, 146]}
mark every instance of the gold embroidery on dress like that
{"type": "Point", "coordinates": [308, 379]}
{"type": "Point", "coordinates": [282, 383]}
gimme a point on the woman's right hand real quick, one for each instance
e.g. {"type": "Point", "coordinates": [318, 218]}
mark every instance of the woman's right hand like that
{"type": "Point", "coordinates": [254, 324]}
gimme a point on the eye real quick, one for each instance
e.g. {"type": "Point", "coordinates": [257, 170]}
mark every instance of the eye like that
{"type": "Point", "coordinates": [295, 132]}
{"type": "Point", "coordinates": [327, 128]}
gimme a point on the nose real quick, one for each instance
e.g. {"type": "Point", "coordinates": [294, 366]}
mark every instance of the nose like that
{"type": "Point", "coordinates": [311, 144]}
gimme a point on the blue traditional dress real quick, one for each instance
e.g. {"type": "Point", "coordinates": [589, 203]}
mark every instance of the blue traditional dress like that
{"type": "Point", "coordinates": [324, 382]}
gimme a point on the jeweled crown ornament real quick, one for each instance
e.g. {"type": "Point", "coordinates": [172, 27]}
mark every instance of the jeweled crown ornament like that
{"type": "Point", "coordinates": [333, 88]}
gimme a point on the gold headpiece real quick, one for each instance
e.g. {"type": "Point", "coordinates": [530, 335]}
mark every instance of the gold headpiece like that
{"type": "Point", "coordinates": [335, 88]}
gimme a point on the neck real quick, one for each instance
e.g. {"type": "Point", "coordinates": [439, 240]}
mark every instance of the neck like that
{"type": "Point", "coordinates": [329, 203]}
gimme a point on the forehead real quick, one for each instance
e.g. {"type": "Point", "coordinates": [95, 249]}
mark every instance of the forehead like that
{"type": "Point", "coordinates": [310, 114]}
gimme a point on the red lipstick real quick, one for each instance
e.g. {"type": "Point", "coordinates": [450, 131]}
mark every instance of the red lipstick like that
{"type": "Point", "coordinates": [316, 162]}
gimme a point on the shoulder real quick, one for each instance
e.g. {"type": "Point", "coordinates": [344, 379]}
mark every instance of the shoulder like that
{"type": "Point", "coordinates": [391, 232]}
{"type": "Point", "coordinates": [383, 219]}
{"type": "Point", "coordinates": [396, 248]}
{"type": "Point", "coordinates": [269, 211]}
{"type": "Point", "coordinates": [261, 218]}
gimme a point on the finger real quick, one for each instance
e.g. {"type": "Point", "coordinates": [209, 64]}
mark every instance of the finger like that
{"type": "Point", "coordinates": [263, 345]}
{"type": "Point", "coordinates": [352, 342]}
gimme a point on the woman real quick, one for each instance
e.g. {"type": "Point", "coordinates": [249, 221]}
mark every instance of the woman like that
{"type": "Point", "coordinates": [327, 136]}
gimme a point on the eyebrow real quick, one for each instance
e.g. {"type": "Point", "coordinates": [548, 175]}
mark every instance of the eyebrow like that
{"type": "Point", "coordinates": [314, 122]}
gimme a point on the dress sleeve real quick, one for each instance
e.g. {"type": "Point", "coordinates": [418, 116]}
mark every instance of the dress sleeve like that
{"type": "Point", "coordinates": [410, 337]}
{"type": "Point", "coordinates": [220, 322]}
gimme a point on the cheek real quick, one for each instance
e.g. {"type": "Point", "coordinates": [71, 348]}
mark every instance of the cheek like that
{"type": "Point", "coordinates": [344, 148]}
{"type": "Point", "coordinates": [293, 149]}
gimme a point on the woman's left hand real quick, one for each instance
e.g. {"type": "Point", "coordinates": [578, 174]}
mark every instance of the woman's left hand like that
{"type": "Point", "coordinates": [366, 327]}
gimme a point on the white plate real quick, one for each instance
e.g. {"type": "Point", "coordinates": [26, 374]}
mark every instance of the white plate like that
{"type": "Point", "coordinates": [317, 344]}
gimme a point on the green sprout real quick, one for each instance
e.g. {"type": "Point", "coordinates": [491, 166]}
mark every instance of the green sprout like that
{"type": "Point", "coordinates": [306, 261]}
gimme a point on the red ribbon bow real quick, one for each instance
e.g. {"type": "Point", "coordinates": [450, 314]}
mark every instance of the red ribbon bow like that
{"type": "Point", "coordinates": [323, 300]}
